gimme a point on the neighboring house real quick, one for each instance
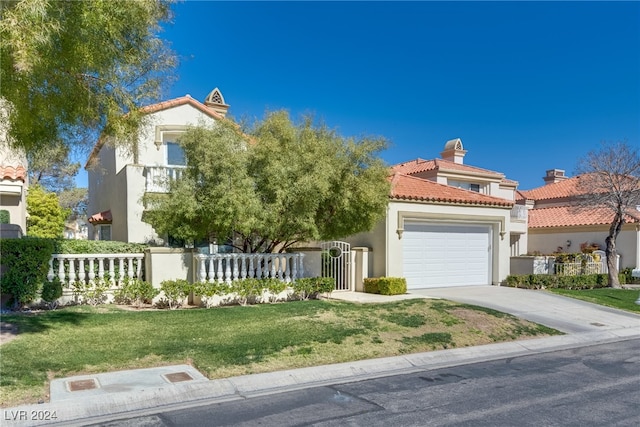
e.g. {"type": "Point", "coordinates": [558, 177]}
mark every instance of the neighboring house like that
{"type": "Point", "coordinates": [13, 190]}
{"type": "Point", "coordinates": [447, 224]}
{"type": "Point", "coordinates": [76, 229]}
{"type": "Point", "coordinates": [556, 224]}
{"type": "Point", "coordinates": [120, 174]}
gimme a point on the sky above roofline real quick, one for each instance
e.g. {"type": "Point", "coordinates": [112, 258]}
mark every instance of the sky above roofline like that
{"type": "Point", "coordinates": [527, 86]}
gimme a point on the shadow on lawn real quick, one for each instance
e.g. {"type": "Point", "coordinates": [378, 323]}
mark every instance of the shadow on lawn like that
{"type": "Point", "coordinates": [38, 322]}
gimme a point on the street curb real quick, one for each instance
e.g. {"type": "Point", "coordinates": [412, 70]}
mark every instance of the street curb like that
{"type": "Point", "coordinates": [97, 409]}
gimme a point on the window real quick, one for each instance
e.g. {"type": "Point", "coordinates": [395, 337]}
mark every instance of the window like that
{"type": "Point", "coordinates": [465, 185]}
{"type": "Point", "coordinates": [474, 187]}
{"type": "Point", "coordinates": [104, 232]}
{"type": "Point", "coordinates": [175, 153]}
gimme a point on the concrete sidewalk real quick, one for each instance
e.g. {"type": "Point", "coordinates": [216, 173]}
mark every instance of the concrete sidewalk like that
{"type": "Point", "coordinates": [98, 398]}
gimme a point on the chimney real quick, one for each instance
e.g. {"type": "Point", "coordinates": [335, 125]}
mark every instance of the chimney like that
{"type": "Point", "coordinates": [553, 176]}
{"type": "Point", "coordinates": [215, 101]}
{"type": "Point", "coordinates": [453, 151]}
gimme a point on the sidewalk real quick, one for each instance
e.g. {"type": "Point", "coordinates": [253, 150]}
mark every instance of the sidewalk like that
{"type": "Point", "coordinates": [98, 398]}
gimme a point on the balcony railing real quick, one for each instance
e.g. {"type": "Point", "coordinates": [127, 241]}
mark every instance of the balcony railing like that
{"type": "Point", "coordinates": [519, 213]}
{"type": "Point", "coordinates": [159, 177]}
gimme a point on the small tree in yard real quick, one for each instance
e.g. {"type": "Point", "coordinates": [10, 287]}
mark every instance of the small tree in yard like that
{"type": "Point", "coordinates": [283, 184]}
{"type": "Point", "coordinates": [610, 178]}
{"type": "Point", "coordinates": [46, 216]}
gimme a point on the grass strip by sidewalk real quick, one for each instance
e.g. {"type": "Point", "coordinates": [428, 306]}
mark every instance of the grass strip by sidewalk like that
{"type": "Point", "coordinates": [623, 299]}
{"type": "Point", "coordinates": [231, 341]}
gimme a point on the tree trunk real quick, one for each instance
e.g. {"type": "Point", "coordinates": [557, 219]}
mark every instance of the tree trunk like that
{"type": "Point", "coordinates": [611, 252]}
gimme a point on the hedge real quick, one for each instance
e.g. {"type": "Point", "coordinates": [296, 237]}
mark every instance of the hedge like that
{"type": "Point", "coordinates": [545, 281]}
{"type": "Point", "coordinates": [385, 285]}
{"type": "Point", "coordinates": [26, 264]}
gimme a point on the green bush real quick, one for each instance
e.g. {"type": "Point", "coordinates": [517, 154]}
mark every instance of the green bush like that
{"type": "Point", "coordinates": [91, 293]}
{"type": "Point", "coordinates": [385, 285]}
{"type": "Point", "coordinates": [247, 290]}
{"type": "Point", "coordinates": [64, 246]}
{"type": "Point", "coordinates": [175, 291]}
{"type": "Point", "coordinates": [51, 291]}
{"type": "Point", "coordinates": [392, 285]}
{"type": "Point", "coordinates": [26, 264]}
{"type": "Point", "coordinates": [312, 287]}
{"type": "Point", "coordinates": [207, 290]}
{"type": "Point", "coordinates": [546, 281]}
{"type": "Point", "coordinates": [136, 291]}
{"type": "Point", "coordinates": [371, 285]}
{"type": "Point", "coordinates": [5, 217]}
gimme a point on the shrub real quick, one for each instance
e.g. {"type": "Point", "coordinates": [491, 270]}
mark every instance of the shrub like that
{"type": "Point", "coordinates": [91, 293]}
{"type": "Point", "coordinates": [208, 290]}
{"type": "Point", "coordinates": [51, 291]}
{"type": "Point", "coordinates": [137, 292]}
{"type": "Point", "coordinates": [63, 246]}
{"type": "Point", "coordinates": [5, 217]}
{"type": "Point", "coordinates": [392, 285]}
{"type": "Point", "coordinates": [312, 287]}
{"type": "Point", "coordinates": [371, 285]}
{"type": "Point", "coordinates": [385, 285]}
{"type": "Point", "coordinates": [175, 291]}
{"type": "Point", "coordinates": [544, 281]}
{"type": "Point", "coordinates": [26, 263]}
{"type": "Point", "coordinates": [274, 287]}
{"type": "Point", "coordinates": [247, 290]}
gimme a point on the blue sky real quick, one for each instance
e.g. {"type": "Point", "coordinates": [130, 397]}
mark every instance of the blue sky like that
{"type": "Point", "coordinates": [527, 86]}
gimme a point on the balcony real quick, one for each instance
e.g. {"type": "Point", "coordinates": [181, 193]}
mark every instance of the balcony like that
{"type": "Point", "coordinates": [158, 177]}
{"type": "Point", "coordinates": [519, 213]}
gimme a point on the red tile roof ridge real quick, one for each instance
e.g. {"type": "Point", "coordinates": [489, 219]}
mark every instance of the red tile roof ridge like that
{"type": "Point", "coordinates": [407, 187]}
{"type": "Point", "coordinates": [16, 173]}
{"type": "Point", "coordinates": [573, 215]}
{"type": "Point", "coordinates": [421, 165]}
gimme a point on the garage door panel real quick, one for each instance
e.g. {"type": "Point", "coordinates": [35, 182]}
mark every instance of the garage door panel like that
{"type": "Point", "coordinates": [446, 255]}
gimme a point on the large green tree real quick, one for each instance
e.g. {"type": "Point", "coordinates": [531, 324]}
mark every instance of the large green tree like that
{"type": "Point", "coordinates": [46, 216]}
{"type": "Point", "coordinates": [283, 183]}
{"type": "Point", "coordinates": [74, 69]}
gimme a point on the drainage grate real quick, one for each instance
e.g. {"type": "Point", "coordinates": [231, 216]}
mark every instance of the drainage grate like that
{"type": "Point", "coordinates": [178, 377]}
{"type": "Point", "coordinates": [80, 385]}
{"type": "Point", "coordinates": [597, 324]}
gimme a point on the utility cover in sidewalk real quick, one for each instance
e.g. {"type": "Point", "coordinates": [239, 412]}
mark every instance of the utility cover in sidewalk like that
{"type": "Point", "coordinates": [80, 385]}
{"type": "Point", "coordinates": [177, 377]}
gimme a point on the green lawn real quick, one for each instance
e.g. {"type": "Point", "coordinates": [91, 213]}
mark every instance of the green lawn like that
{"type": "Point", "coordinates": [623, 299]}
{"type": "Point", "coordinates": [223, 342]}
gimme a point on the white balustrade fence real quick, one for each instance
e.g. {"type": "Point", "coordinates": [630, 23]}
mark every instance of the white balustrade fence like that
{"type": "Point", "coordinates": [159, 177]}
{"type": "Point", "coordinates": [577, 268]}
{"type": "Point", "coordinates": [229, 267]}
{"type": "Point", "coordinates": [113, 268]}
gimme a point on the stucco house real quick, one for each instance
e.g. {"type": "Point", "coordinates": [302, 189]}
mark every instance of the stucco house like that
{"type": "Point", "coordinates": [556, 224]}
{"type": "Point", "coordinates": [447, 224]}
{"type": "Point", "coordinates": [13, 190]}
{"type": "Point", "coordinates": [120, 174]}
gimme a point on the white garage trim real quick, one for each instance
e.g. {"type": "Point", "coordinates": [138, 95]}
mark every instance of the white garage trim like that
{"type": "Point", "coordinates": [437, 254]}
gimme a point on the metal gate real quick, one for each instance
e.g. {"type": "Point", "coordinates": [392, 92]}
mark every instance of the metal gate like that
{"type": "Point", "coordinates": [336, 263]}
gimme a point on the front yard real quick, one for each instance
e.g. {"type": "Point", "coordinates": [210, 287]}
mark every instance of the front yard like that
{"type": "Point", "coordinates": [237, 340]}
{"type": "Point", "coordinates": [623, 299]}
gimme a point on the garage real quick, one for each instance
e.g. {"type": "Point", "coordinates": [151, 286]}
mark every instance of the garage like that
{"type": "Point", "coordinates": [437, 255]}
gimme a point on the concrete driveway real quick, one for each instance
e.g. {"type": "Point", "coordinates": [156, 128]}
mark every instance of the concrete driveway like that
{"type": "Point", "coordinates": [564, 314]}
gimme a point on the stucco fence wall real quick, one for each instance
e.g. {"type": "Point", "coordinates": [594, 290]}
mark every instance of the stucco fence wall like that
{"type": "Point", "coordinates": [159, 264]}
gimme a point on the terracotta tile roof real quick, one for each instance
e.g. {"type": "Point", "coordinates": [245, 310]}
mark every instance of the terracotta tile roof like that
{"type": "Point", "coordinates": [16, 173]}
{"type": "Point", "coordinates": [559, 190]}
{"type": "Point", "coordinates": [176, 102]}
{"type": "Point", "coordinates": [405, 187]}
{"type": "Point", "coordinates": [566, 216]}
{"type": "Point", "coordinates": [101, 218]}
{"type": "Point", "coordinates": [418, 165]}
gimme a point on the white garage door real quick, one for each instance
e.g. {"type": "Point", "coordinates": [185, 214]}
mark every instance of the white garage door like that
{"type": "Point", "coordinates": [446, 255]}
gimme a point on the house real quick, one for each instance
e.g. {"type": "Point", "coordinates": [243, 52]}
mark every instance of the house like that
{"type": "Point", "coordinates": [13, 191]}
{"type": "Point", "coordinates": [557, 225]}
{"type": "Point", "coordinates": [447, 224]}
{"type": "Point", "coordinates": [120, 174]}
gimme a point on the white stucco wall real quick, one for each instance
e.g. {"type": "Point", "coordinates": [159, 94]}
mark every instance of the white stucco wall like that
{"type": "Point", "coordinates": [548, 240]}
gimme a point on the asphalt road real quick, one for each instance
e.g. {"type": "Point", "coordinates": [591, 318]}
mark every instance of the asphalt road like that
{"type": "Point", "coordinates": [589, 386]}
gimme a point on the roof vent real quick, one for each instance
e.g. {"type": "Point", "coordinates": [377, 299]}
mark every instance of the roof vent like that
{"type": "Point", "coordinates": [215, 101]}
{"type": "Point", "coordinates": [554, 175]}
{"type": "Point", "coordinates": [454, 151]}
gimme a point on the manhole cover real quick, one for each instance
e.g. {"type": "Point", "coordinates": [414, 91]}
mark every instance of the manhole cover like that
{"type": "Point", "coordinates": [79, 385]}
{"type": "Point", "coordinates": [178, 376]}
